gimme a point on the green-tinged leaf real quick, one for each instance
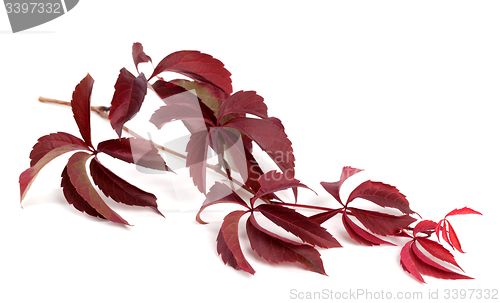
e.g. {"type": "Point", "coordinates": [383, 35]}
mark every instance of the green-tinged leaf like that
{"type": "Point", "coordinates": [278, 249]}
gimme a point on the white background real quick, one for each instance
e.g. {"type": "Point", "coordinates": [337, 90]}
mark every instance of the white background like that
{"type": "Point", "coordinates": [407, 90]}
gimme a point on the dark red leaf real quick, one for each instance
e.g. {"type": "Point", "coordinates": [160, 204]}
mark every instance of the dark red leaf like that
{"type": "Point", "coordinates": [278, 249]}
{"type": "Point", "coordinates": [229, 230]}
{"type": "Point", "coordinates": [220, 193]}
{"type": "Point", "coordinates": [380, 223]}
{"type": "Point", "coordinates": [360, 235]}
{"type": "Point", "coordinates": [138, 55]}
{"type": "Point", "coordinates": [430, 268]}
{"type": "Point", "coordinates": [74, 198]}
{"type": "Point", "coordinates": [197, 66]}
{"type": "Point", "coordinates": [197, 149]}
{"type": "Point", "coordinates": [77, 172]}
{"type": "Point", "coordinates": [424, 226]}
{"type": "Point", "coordinates": [270, 137]}
{"type": "Point", "coordinates": [382, 194]}
{"type": "Point", "coordinates": [127, 99]}
{"type": "Point", "coordinates": [408, 262]}
{"type": "Point", "coordinates": [52, 141]}
{"type": "Point", "coordinates": [322, 217]}
{"type": "Point", "coordinates": [274, 181]}
{"type": "Point", "coordinates": [437, 250]}
{"type": "Point", "coordinates": [299, 225]}
{"type": "Point", "coordinates": [463, 211]}
{"type": "Point", "coordinates": [243, 102]}
{"type": "Point", "coordinates": [334, 187]}
{"type": "Point", "coordinates": [120, 190]}
{"type": "Point", "coordinates": [80, 104]}
{"type": "Point", "coordinates": [28, 176]}
{"type": "Point", "coordinates": [134, 150]}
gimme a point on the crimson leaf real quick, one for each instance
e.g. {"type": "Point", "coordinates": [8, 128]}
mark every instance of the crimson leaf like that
{"type": "Point", "coordinates": [229, 246]}
{"type": "Point", "coordinates": [437, 250]}
{"type": "Point", "coordinates": [380, 223]}
{"type": "Point", "coordinates": [198, 66]}
{"type": "Point", "coordinates": [426, 226]}
{"type": "Point", "coordinates": [278, 249]}
{"type": "Point", "coordinates": [408, 262]}
{"type": "Point", "coordinates": [133, 150]}
{"type": "Point", "coordinates": [360, 235]}
{"type": "Point", "coordinates": [462, 211]}
{"type": "Point", "coordinates": [74, 198]}
{"type": "Point", "coordinates": [382, 194]}
{"type": "Point", "coordinates": [119, 189]}
{"type": "Point", "coordinates": [298, 224]}
{"type": "Point", "coordinates": [80, 104]}
{"type": "Point", "coordinates": [127, 99]}
{"type": "Point", "coordinates": [430, 268]}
